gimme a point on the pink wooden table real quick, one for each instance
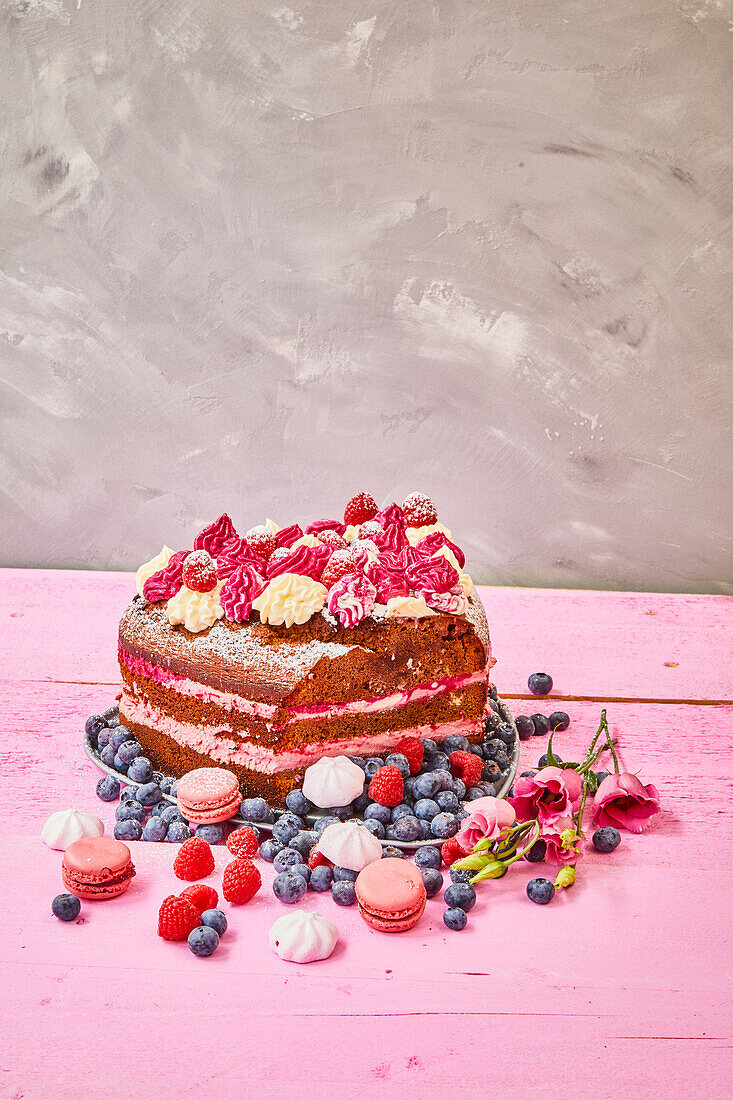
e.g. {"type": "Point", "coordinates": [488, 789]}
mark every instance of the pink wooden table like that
{"type": "Point", "coordinates": [620, 988]}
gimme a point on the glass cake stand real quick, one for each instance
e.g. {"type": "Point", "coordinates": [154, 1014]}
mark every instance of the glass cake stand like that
{"type": "Point", "coordinates": [501, 787]}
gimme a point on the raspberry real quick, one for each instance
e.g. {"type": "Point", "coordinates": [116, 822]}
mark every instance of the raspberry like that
{"type": "Point", "coordinates": [419, 510]}
{"type": "Point", "coordinates": [201, 896]}
{"type": "Point", "coordinates": [369, 529]}
{"type": "Point", "coordinates": [386, 786]}
{"type": "Point", "coordinates": [176, 918]}
{"type": "Point", "coordinates": [360, 508]}
{"type": "Point", "coordinates": [338, 565]}
{"type": "Point", "coordinates": [332, 538]}
{"type": "Point", "coordinates": [451, 851]}
{"type": "Point", "coordinates": [194, 859]}
{"type": "Point", "coordinates": [242, 843]}
{"type": "Point", "coordinates": [280, 554]}
{"type": "Point", "coordinates": [466, 766]}
{"type": "Point", "coordinates": [241, 881]}
{"type": "Point", "coordinates": [411, 747]}
{"type": "Point", "coordinates": [317, 859]}
{"type": "Point", "coordinates": [261, 540]}
{"type": "Point", "coordinates": [199, 571]}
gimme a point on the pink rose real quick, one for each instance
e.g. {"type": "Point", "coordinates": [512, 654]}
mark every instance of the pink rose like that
{"type": "Point", "coordinates": [550, 794]}
{"type": "Point", "coordinates": [623, 800]}
{"type": "Point", "coordinates": [488, 817]}
{"type": "Point", "coordinates": [561, 839]}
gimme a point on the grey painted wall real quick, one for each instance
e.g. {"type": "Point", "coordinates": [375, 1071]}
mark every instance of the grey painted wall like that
{"type": "Point", "coordinates": [256, 257]}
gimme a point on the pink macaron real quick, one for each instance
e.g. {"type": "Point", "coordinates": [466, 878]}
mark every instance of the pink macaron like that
{"type": "Point", "coordinates": [97, 867]}
{"type": "Point", "coordinates": [391, 895]}
{"type": "Point", "coordinates": [208, 795]}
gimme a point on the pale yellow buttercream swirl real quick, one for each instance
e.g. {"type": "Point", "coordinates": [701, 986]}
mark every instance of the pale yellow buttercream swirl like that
{"type": "Point", "coordinates": [195, 610]}
{"type": "Point", "coordinates": [155, 564]}
{"type": "Point", "coordinates": [407, 607]}
{"type": "Point", "coordinates": [306, 540]}
{"type": "Point", "coordinates": [417, 534]}
{"type": "Point", "coordinates": [290, 598]}
{"type": "Point", "coordinates": [466, 582]}
{"type": "Point", "coordinates": [272, 527]}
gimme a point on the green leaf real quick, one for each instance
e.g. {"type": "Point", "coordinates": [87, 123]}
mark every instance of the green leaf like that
{"type": "Point", "coordinates": [472, 863]}
{"type": "Point", "coordinates": [552, 760]}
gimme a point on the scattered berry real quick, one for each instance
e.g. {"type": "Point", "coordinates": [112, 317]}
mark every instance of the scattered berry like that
{"type": "Point", "coordinates": [540, 683]}
{"type": "Point", "coordinates": [261, 540]}
{"type": "Point", "coordinates": [433, 880]}
{"type": "Point", "coordinates": [148, 794]}
{"type": "Point", "coordinates": [459, 874]}
{"type": "Point", "coordinates": [317, 859]}
{"type": "Point", "coordinates": [128, 750]}
{"type": "Point", "coordinates": [419, 510]}
{"type": "Point", "coordinates": [178, 832]}
{"type": "Point", "coordinates": [194, 860]}
{"type": "Point", "coordinates": [541, 725]}
{"type": "Point", "coordinates": [466, 766]}
{"type": "Point", "coordinates": [540, 891]}
{"type": "Point", "coordinates": [286, 827]}
{"type": "Point", "coordinates": [451, 851]}
{"type": "Point", "coordinates": [130, 809]}
{"type": "Point", "coordinates": [359, 509]}
{"type": "Point", "coordinates": [241, 881]}
{"type": "Point", "coordinates": [66, 906]}
{"type": "Point", "coordinates": [177, 917]}
{"type": "Point", "coordinates": [537, 852]}
{"type": "Point", "coordinates": [107, 756]}
{"type": "Point", "coordinates": [140, 770]}
{"type": "Point", "coordinates": [203, 941]}
{"type": "Point", "coordinates": [201, 896]}
{"type": "Point", "coordinates": [304, 843]}
{"type": "Point", "coordinates": [387, 786]}
{"type": "Point", "coordinates": [376, 828]}
{"type": "Point", "coordinates": [399, 760]}
{"type": "Point", "coordinates": [606, 839]}
{"type": "Point", "coordinates": [257, 810]}
{"type": "Point", "coordinates": [214, 918]}
{"type": "Point", "coordinates": [243, 842]}
{"type": "Point", "coordinates": [559, 720]}
{"type": "Point", "coordinates": [108, 788]}
{"type": "Point", "coordinates": [406, 828]}
{"type": "Point", "coordinates": [269, 849]}
{"type": "Point", "coordinates": [297, 803]}
{"type": "Point", "coordinates": [427, 785]}
{"type": "Point", "coordinates": [286, 859]}
{"type": "Point", "coordinates": [412, 748]}
{"type": "Point", "coordinates": [447, 801]}
{"type": "Point", "coordinates": [455, 919]}
{"type": "Point", "coordinates": [212, 834]}
{"type": "Point", "coordinates": [338, 565]}
{"type": "Point", "coordinates": [155, 829]}
{"type": "Point", "coordinates": [389, 851]}
{"type": "Point", "coordinates": [301, 869]}
{"type": "Point", "coordinates": [199, 571]}
{"type": "Point", "coordinates": [128, 830]}
{"type": "Point", "coordinates": [344, 892]}
{"type": "Point", "coordinates": [444, 825]}
{"type": "Point", "coordinates": [600, 776]}
{"type": "Point", "coordinates": [288, 887]}
{"type": "Point", "coordinates": [456, 743]}
{"type": "Point", "coordinates": [428, 856]}
{"type": "Point", "coordinates": [94, 725]}
{"type": "Point", "coordinates": [321, 878]}
{"type": "Point", "coordinates": [427, 808]}
{"type": "Point", "coordinates": [379, 813]}
{"type": "Point", "coordinates": [525, 727]}
{"type": "Point", "coordinates": [119, 736]}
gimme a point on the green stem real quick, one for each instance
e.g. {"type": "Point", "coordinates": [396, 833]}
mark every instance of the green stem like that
{"type": "Point", "coordinates": [533, 841]}
{"type": "Point", "coordinates": [581, 811]}
{"type": "Point", "coordinates": [615, 758]}
{"type": "Point", "coordinates": [591, 758]}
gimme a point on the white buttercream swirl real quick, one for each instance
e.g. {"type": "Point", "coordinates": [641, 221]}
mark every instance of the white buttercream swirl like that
{"type": "Point", "coordinates": [195, 610]}
{"type": "Point", "coordinates": [417, 534]}
{"type": "Point", "coordinates": [302, 937]}
{"type": "Point", "coordinates": [272, 527]}
{"type": "Point", "coordinates": [155, 564]}
{"type": "Point", "coordinates": [407, 607]}
{"type": "Point", "coordinates": [306, 540]}
{"type": "Point", "coordinates": [351, 532]}
{"type": "Point", "coordinates": [290, 598]}
{"type": "Point", "coordinates": [349, 845]}
{"type": "Point", "coordinates": [64, 827]}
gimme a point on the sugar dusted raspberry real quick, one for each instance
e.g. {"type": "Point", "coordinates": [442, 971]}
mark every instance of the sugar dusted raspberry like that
{"type": "Point", "coordinates": [419, 510]}
{"type": "Point", "coordinates": [317, 859]}
{"type": "Point", "coordinates": [261, 540]}
{"type": "Point", "coordinates": [387, 786]}
{"type": "Point", "coordinates": [281, 554]}
{"type": "Point", "coordinates": [451, 851]}
{"type": "Point", "coordinates": [369, 529]}
{"type": "Point", "coordinates": [466, 766]}
{"type": "Point", "coordinates": [167, 581]}
{"type": "Point", "coordinates": [199, 572]}
{"type": "Point", "coordinates": [338, 565]}
{"type": "Point", "coordinates": [332, 538]}
{"type": "Point", "coordinates": [360, 508]}
{"type": "Point", "coordinates": [412, 748]}
{"type": "Point", "coordinates": [241, 881]}
{"type": "Point", "coordinates": [193, 860]}
{"type": "Point", "coordinates": [243, 843]}
{"type": "Point", "coordinates": [201, 896]}
{"type": "Point", "coordinates": [176, 918]}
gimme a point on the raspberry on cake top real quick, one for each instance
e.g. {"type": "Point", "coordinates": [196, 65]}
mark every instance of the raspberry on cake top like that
{"type": "Point", "coordinates": [266, 652]}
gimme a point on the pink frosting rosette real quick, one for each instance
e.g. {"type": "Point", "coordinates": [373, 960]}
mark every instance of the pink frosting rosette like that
{"type": "Point", "coordinates": [432, 575]}
{"type": "Point", "coordinates": [319, 525]}
{"type": "Point", "coordinates": [387, 581]}
{"type": "Point", "coordinates": [453, 602]}
{"type": "Point", "coordinates": [352, 598]}
{"type": "Point", "coordinates": [307, 561]}
{"type": "Point", "coordinates": [238, 552]}
{"type": "Point", "coordinates": [548, 795]}
{"type": "Point", "coordinates": [214, 537]}
{"type": "Point", "coordinates": [389, 515]}
{"type": "Point", "coordinates": [167, 581]}
{"type": "Point", "coordinates": [435, 541]}
{"type": "Point", "coordinates": [562, 841]}
{"type": "Point", "coordinates": [241, 589]}
{"type": "Point", "coordinates": [624, 802]}
{"type": "Point", "coordinates": [286, 536]}
{"type": "Point", "coordinates": [487, 819]}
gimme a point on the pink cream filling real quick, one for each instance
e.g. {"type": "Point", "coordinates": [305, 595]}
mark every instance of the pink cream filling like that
{"type": "Point", "coordinates": [212, 740]}
{"type": "Point", "coordinates": [231, 701]}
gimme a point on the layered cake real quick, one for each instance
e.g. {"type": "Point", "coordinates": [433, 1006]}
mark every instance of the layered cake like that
{"type": "Point", "coordinates": [266, 652]}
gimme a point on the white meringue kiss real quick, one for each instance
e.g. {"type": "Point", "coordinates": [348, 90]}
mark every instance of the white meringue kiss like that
{"type": "Point", "coordinates": [333, 781]}
{"type": "Point", "coordinates": [65, 826]}
{"type": "Point", "coordinates": [303, 937]}
{"type": "Point", "coordinates": [349, 845]}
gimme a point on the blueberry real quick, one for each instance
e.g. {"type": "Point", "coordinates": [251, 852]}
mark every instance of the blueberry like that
{"type": "Point", "coordinates": [285, 859]}
{"type": "Point", "coordinates": [502, 761]}
{"type": "Point", "coordinates": [540, 683]}
{"type": "Point", "coordinates": [455, 743]}
{"type": "Point", "coordinates": [406, 828]}
{"type": "Point", "coordinates": [505, 733]}
{"type": "Point", "coordinates": [376, 828]}
{"type": "Point", "coordinates": [301, 869]}
{"type": "Point", "coordinates": [490, 771]}
{"type": "Point", "coordinates": [559, 720]}
{"type": "Point", "coordinates": [541, 725]}
{"type": "Point", "coordinates": [540, 891]}
{"type": "Point", "coordinates": [493, 701]}
{"type": "Point", "coordinates": [168, 784]}
{"type": "Point", "coordinates": [491, 721]}
{"type": "Point", "coordinates": [359, 761]}
{"type": "Point", "coordinates": [343, 893]}
{"type": "Point", "coordinates": [372, 766]}
{"type": "Point", "coordinates": [493, 747]}
{"type": "Point", "coordinates": [544, 760]}
{"type": "Point", "coordinates": [439, 762]}
{"type": "Point", "coordinates": [361, 802]}
{"type": "Point", "coordinates": [427, 808]}
{"type": "Point", "coordinates": [297, 803]}
{"type": "Point", "coordinates": [128, 830]}
{"type": "Point", "coordinates": [140, 770]}
{"type": "Point", "coordinates": [529, 772]}
{"type": "Point", "coordinates": [444, 825]}
{"type": "Point", "coordinates": [462, 815]}
{"type": "Point", "coordinates": [600, 776]}
{"type": "Point", "coordinates": [94, 724]}
{"type": "Point", "coordinates": [429, 747]}
{"type": "Point", "coordinates": [149, 794]}
{"type": "Point", "coordinates": [289, 888]}
{"type": "Point", "coordinates": [158, 778]}
{"type": "Point", "coordinates": [323, 823]}
{"type": "Point", "coordinates": [475, 749]}
{"type": "Point", "coordinates": [203, 941]}
{"type": "Point", "coordinates": [321, 879]}
{"type": "Point", "coordinates": [426, 785]}
{"type": "Point", "coordinates": [447, 801]}
{"type": "Point", "coordinates": [455, 919]}
{"type": "Point", "coordinates": [525, 727]}
{"type": "Point", "coordinates": [118, 764]}
{"type": "Point", "coordinates": [425, 833]}
{"type": "Point", "coordinates": [157, 809]}
{"type": "Point", "coordinates": [537, 852]}
{"type": "Point", "coordinates": [389, 833]}
{"type": "Point", "coordinates": [108, 788]}
{"type": "Point", "coordinates": [170, 813]}
{"type": "Point", "coordinates": [128, 750]}
{"type": "Point", "coordinates": [493, 693]}
{"type": "Point", "coordinates": [433, 880]}
{"type": "Point", "coordinates": [119, 736]}
{"type": "Point", "coordinates": [400, 811]}
{"type": "Point", "coordinates": [269, 849]}
{"type": "Point", "coordinates": [459, 789]}
{"type": "Point", "coordinates": [606, 839]}
{"type": "Point", "coordinates": [400, 761]}
{"type": "Point", "coordinates": [212, 834]}
{"type": "Point", "coordinates": [409, 789]}
{"type": "Point", "coordinates": [130, 811]}
{"type": "Point", "coordinates": [256, 809]}
{"type": "Point", "coordinates": [304, 842]}
{"type": "Point", "coordinates": [103, 738]}
{"type": "Point", "coordinates": [178, 831]}
{"type": "Point", "coordinates": [460, 875]}
{"type": "Point", "coordinates": [428, 856]}
{"type": "Point", "coordinates": [286, 827]}
{"type": "Point", "coordinates": [344, 874]}
{"type": "Point", "coordinates": [107, 756]}
{"type": "Point", "coordinates": [129, 794]}
{"type": "Point", "coordinates": [155, 829]}
{"type": "Point", "coordinates": [460, 896]}
{"type": "Point", "coordinates": [214, 918]}
{"type": "Point", "coordinates": [473, 793]}
{"type": "Point", "coordinates": [445, 780]}
{"type": "Point", "coordinates": [390, 852]}
{"type": "Point", "coordinates": [66, 906]}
